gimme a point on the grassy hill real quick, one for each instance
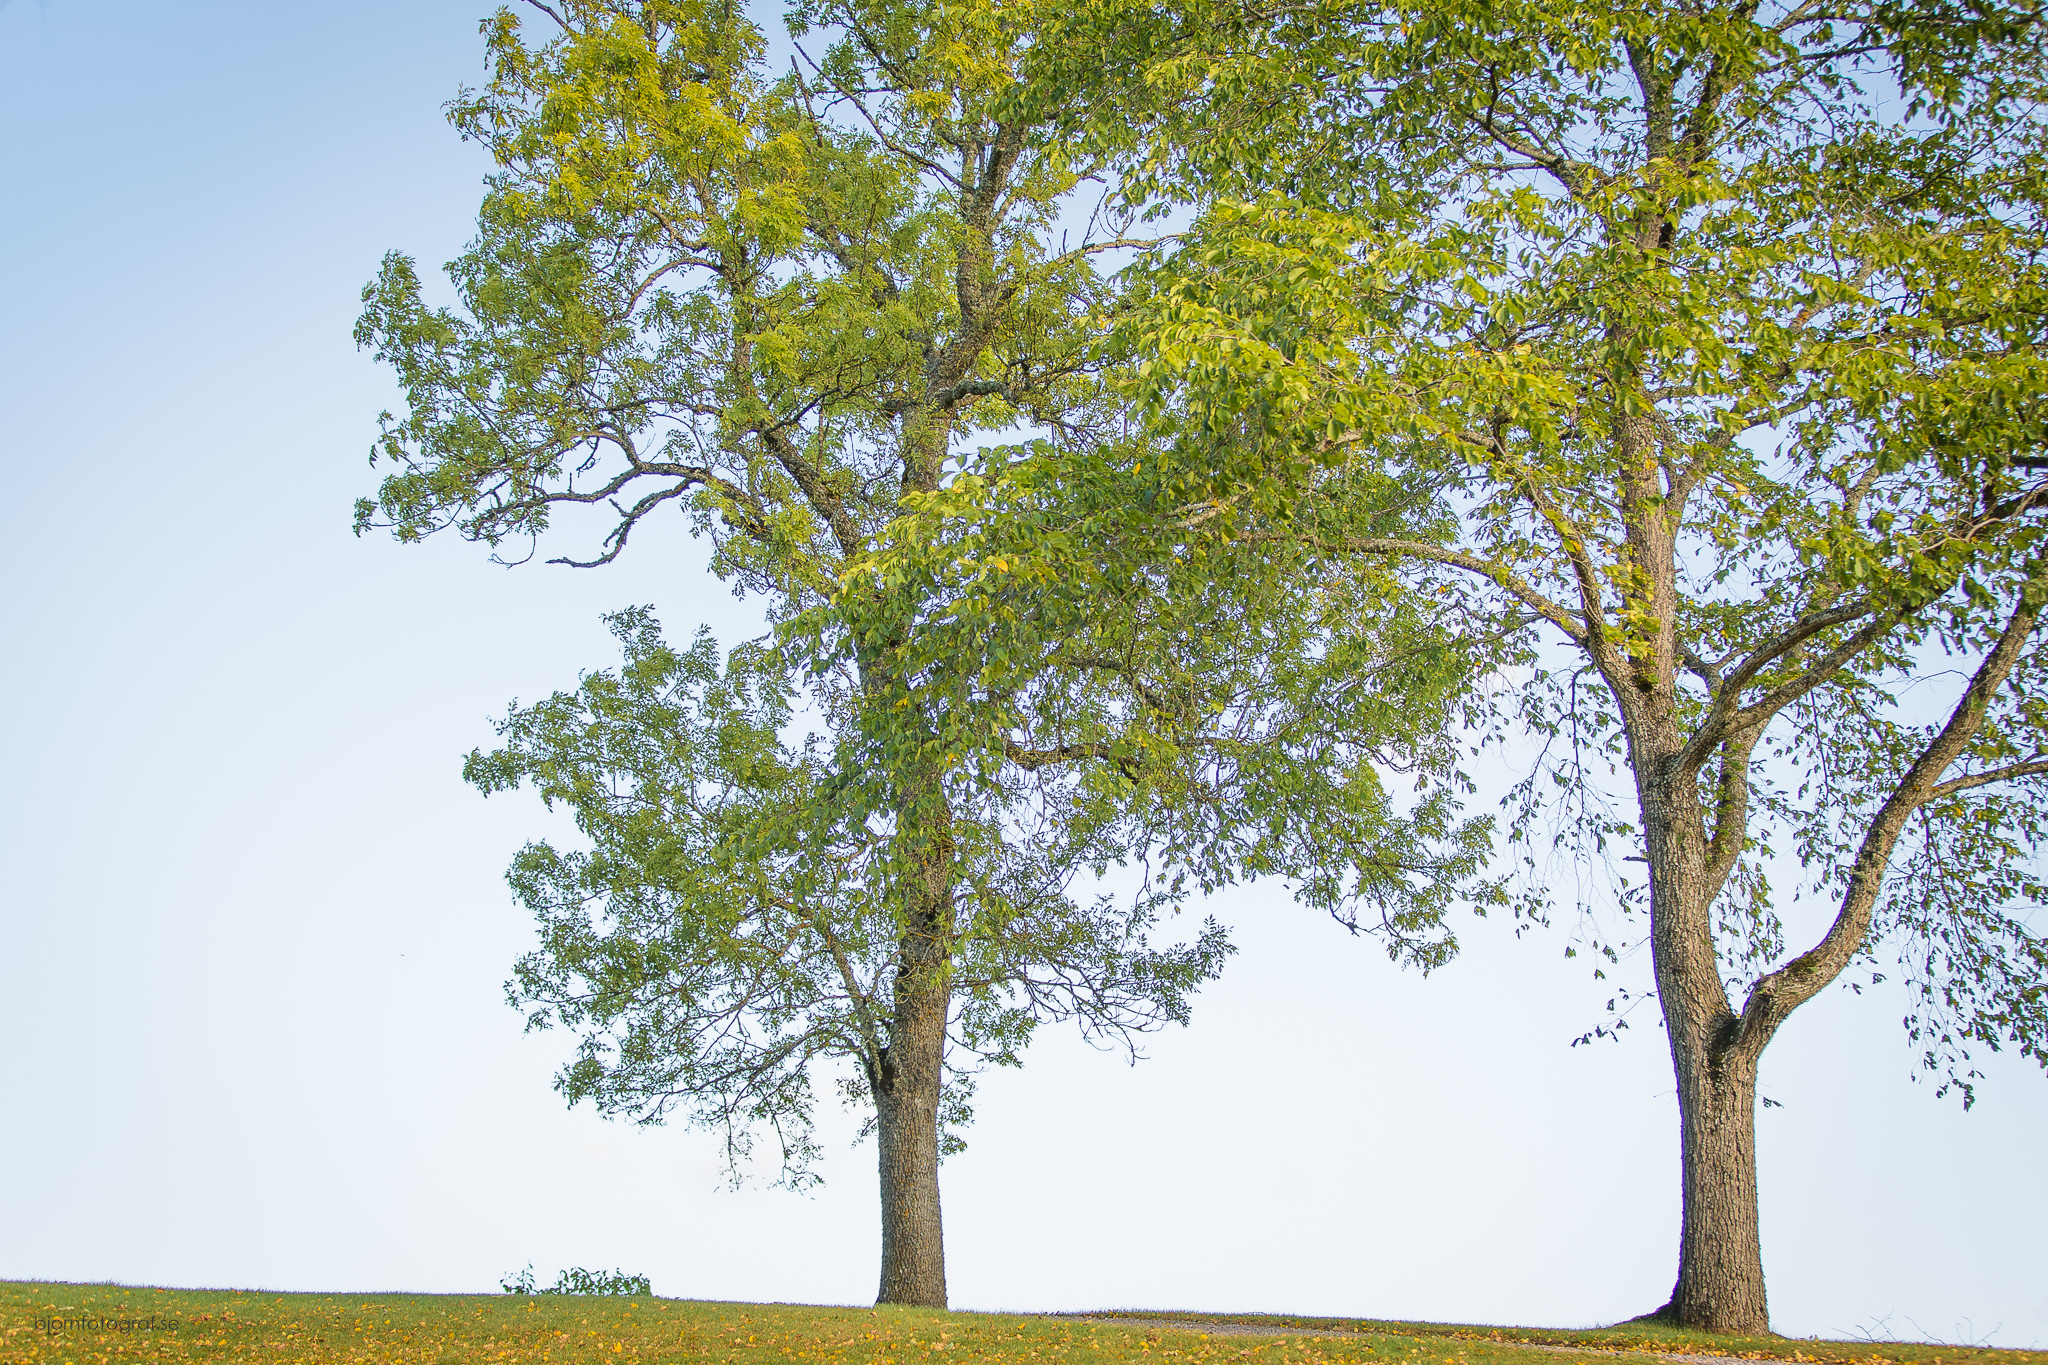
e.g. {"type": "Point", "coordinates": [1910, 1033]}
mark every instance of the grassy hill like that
{"type": "Point", "coordinates": [75, 1324]}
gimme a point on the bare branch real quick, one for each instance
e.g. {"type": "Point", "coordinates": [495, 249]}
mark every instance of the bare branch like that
{"type": "Point", "coordinates": [548, 10]}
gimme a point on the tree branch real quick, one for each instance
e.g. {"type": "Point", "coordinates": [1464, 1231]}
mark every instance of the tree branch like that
{"type": "Point", "coordinates": [1776, 994]}
{"type": "Point", "coordinates": [1497, 574]}
{"type": "Point", "coordinates": [1724, 717]}
{"type": "Point", "coordinates": [820, 494]}
{"type": "Point", "coordinates": [550, 13]}
{"type": "Point", "coordinates": [1031, 760]}
{"type": "Point", "coordinates": [1970, 781]}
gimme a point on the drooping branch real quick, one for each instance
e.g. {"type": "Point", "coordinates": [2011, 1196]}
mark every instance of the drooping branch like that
{"type": "Point", "coordinates": [687, 477]}
{"type": "Point", "coordinates": [1571, 539]}
{"type": "Point", "coordinates": [1776, 994]}
{"type": "Point", "coordinates": [872, 1042]}
{"type": "Point", "coordinates": [629, 517]}
{"type": "Point", "coordinates": [1491, 570]}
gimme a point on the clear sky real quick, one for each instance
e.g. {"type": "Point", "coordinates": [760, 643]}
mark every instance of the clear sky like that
{"type": "Point", "coordinates": [253, 932]}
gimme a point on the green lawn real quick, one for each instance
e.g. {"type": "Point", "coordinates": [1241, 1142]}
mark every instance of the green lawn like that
{"type": "Point", "coordinates": [76, 1324]}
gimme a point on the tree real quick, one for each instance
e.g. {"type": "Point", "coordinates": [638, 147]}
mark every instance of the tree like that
{"type": "Point", "coordinates": [724, 929]}
{"type": "Point", "coordinates": [1717, 329]}
{"type": "Point", "coordinates": [790, 306]}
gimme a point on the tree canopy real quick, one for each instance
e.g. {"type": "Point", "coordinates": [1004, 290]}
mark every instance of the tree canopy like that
{"type": "Point", "coordinates": [1714, 330]}
{"type": "Point", "coordinates": [719, 934]}
{"type": "Point", "coordinates": [800, 307]}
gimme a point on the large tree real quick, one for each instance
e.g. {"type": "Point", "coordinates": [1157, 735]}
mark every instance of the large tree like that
{"type": "Point", "coordinates": [788, 306]}
{"type": "Point", "coordinates": [1716, 327]}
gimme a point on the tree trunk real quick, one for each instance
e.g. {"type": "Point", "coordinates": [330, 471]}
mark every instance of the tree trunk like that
{"type": "Point", "coordinates": [907, 1126]}
{"type": "Point", "coordinates": [907, 1083]}
{"type": "Point", "coordinates": [1714, 1056]}
{"type": "Point", "coordinates": [911, 1075]}
{"type": "Point", "coordinates": [1720, 1252]}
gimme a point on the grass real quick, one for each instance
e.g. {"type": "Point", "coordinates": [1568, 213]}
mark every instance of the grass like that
{"type": "Point", "coordinates": [67, 1324]}
{"type": "Point", "coordinates": [1640, 1337]}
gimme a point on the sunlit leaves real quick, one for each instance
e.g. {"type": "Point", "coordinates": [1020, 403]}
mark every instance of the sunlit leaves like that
{"type": "Point", "coordinates": [1705, 347]}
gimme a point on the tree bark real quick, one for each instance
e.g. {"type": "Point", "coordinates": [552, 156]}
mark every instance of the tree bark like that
{"type": "Point", "coordinates": [1720, 1249]}
{"type": "Point", "coordinates": [1715, 1049]}
{"type": "Point", "coordinates": [907, 1126]}
{"type": "Point", "coordinates": [1720, 1285]}
{"type": "Point", "coordinates": [907, 1085]}
{"type": "Point", "coordinates": [910, 1077]}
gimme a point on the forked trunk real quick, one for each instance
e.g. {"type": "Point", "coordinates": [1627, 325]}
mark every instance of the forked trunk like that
{"type": "Point", "coordinates": [1720, 1252]}
{"type": "Point", "coordinates": [907, 1129]}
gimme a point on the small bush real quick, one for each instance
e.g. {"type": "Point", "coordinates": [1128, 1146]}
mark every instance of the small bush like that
{"type": "Point", "coordinates": [577, 1280]}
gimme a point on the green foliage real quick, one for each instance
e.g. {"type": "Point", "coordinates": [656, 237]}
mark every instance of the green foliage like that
{"type": "Point", "coordinates": [577, 1280]}
{"type": "Point", "coordinates": [1248, 703]}
{"type": "Point", "coordinates": [798, 308]}
{"type": "Point", "coordinates": [1715, 331]}
{"type": "Point", "coordinates": [728, 925]}
{"type": "Point", "coordinates": [695, 283]}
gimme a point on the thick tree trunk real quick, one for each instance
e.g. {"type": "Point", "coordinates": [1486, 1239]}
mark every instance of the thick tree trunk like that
{"type": "Point", "coordinates": [1714, 1056]}
{"type": "Point", "coordinates": [911, 1074]}
{"type": "Point", "coordinates": [907, 1126]}
{"type": "Point", "coordinates": [907, 1083]}
{"type": "Point", "coordinates": [1720, 1252]}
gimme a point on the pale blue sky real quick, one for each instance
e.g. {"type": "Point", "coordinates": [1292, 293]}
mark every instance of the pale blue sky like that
{"type": "Point", "coordinates": [252, 927]}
